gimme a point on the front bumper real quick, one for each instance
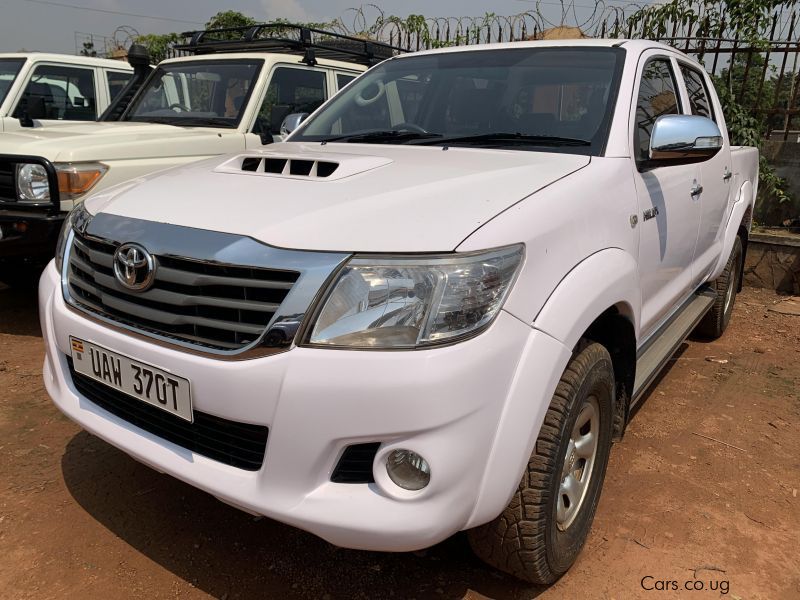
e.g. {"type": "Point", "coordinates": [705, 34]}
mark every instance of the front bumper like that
{"type": "Point", "coordinates": [28, 235]}
{"type": "Point", "coordinates": [472, 410]}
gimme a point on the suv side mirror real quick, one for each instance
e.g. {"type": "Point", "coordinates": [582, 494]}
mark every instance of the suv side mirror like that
{"type": "Point", "coordinates": [681, 139]}
{"type": "Point", "coordinates": [291, 122]}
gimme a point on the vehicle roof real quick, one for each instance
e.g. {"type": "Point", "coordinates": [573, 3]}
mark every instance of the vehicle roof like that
{"type": "Point", "coordinates": [70, 58]}
{"type": "Point", "coordinates": [275, 57]}
{"type": "Point", "coordinates": [635, 45]}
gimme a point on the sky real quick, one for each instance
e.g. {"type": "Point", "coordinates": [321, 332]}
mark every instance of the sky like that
{"type": "Point", "coordinates": [54, 25]}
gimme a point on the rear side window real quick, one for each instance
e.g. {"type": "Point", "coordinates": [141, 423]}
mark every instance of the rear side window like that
{"type": "Point", "coordinates": [342, 80]}
{"type": "Point", "coordinates": [116, 82]}
{"type": "Point", "coordinates": [698, 93]}
{"type": "Point", "coordinates": [657, 97]}
{"type": "Point", "coordinates": [59, 92]}
{"type": "Point", "coordinates": [290, 91]}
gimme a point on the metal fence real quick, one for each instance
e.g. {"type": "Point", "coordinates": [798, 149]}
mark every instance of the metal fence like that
{"type": "Point", "coordinates": [762, 76]}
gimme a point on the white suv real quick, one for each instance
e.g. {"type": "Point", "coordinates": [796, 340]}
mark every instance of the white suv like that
{"type": "Point", "coordinates": [53, 89]}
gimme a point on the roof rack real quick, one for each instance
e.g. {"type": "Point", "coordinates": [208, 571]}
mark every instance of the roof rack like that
{"type": "Point", "coordinates": [309, 42]}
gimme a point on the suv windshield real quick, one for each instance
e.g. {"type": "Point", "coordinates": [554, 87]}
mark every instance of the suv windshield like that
{"type": "Point", "coordinates": [204, 93]}
{"type": "Point", "coordinates": [9, 69]}
{"type": "Point", "coordinates": [527, 98]}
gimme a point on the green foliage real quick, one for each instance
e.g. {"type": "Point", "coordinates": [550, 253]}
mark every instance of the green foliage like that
{"type": "Point", "coordinates": [158, 44]}
{"type": "Point", "coordinates": [229, 18]}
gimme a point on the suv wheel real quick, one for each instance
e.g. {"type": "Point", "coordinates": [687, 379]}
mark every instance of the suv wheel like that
{"type": "Point", "coordinates": [726, 285]}
{"type": "Point", "coordinates": [539, 535]}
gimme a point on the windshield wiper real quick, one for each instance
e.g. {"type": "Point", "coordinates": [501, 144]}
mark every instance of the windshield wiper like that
{"type": "Point", "coordinates": [508, 139]}
{"type": "Point", "coordinates": [383, 136]}
{"type": "Point", "coordinates": [185, 121]}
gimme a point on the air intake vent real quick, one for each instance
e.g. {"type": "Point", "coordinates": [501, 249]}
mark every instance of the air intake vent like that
{"type": "Point", "coordinates": [355, 464]}
{"type": "Point", "coordinates": [294, 167]}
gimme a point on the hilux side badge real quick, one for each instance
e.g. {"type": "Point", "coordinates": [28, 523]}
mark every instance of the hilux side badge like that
{"type": "Point", "coordinates": [650, 213]}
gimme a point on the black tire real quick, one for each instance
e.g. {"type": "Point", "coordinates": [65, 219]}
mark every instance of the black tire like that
{"type": "Point", "coordinates": [526, 540]}
{"type": "Point", "coordinates": [726, 285]}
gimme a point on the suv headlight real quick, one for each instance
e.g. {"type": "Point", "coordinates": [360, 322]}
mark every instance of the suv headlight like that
{"type": "Point", "coordinates": [417, 301]}
{"type": "Point", "coordinates": [78, 218]}
{"type": "Point", "coordinates": [74, 180]}
{"type": "Point", "coordinates": [32, 183]}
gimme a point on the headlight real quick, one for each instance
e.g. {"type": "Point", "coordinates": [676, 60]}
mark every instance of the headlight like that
{"type": "Point", "coordinates": [411, 302]}
{"type": "Point", "coordinates": [78, 218]}
{"type": "Point", "coordinates": [75, 179]}
{"type": "Point", "coordinates": [32, 183]}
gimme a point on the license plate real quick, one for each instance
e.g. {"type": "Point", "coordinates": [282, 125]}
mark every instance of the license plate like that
{"type": "Point", "coordinates": [139, 380]}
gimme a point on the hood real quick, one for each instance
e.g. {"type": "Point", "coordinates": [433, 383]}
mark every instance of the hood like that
{"type": "Point", "coordinates": [110, 141]}
{"type": "Point", "coordinates": [343, 197]}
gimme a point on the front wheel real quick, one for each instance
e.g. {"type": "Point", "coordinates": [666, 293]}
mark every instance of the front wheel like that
{"type": "Point", "coordinates": [541, 532]}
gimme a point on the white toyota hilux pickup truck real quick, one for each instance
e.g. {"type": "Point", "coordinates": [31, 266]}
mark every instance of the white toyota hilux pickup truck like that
{"type": "Point", "coordinates": [432, 309]}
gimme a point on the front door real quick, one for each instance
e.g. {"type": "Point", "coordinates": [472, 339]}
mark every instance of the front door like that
{"type": "Point", "coordinates": [669, 207]}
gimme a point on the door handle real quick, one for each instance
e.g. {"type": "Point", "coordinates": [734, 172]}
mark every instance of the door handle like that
{"type": "Point", "coordinates": [696, 190]}
{"type": "Point", "coordinates": [727, 176]}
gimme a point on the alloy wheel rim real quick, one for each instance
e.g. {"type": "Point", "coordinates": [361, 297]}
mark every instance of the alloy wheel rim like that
{"type": "Point", "coordinates": [579, 459]}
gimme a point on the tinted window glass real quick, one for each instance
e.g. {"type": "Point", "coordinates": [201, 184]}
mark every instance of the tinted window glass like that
{"type": "Point", "coordinates": [544, 92]}
{"type": "Point", "coordinates": [57, 92]}
{"type": "Point", "coordinates": [657, 96]}
{"type": "Point", "coordinates": [342, 80]}
{"type": "Point", "coordinates": [209, 93]}
{"type": "Point", "coordinates": [290, 91]}
{"type": "Point", "coordinates": [9, 68]}
{"type": "Point", "coordinates": [698, 94]}
{"type": "Point", "coordinates": [116, 82]}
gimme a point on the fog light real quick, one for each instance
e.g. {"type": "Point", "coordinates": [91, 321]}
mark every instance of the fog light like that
{"type": "Point", "coordinates": [408, 469]}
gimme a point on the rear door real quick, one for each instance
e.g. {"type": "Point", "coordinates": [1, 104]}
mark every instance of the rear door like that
{"type": "Point", "coordinates": [714, 174]}
{"type": "Point", "coordinates": [669, 211]}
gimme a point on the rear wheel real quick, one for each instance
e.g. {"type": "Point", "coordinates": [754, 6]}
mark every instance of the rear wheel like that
{"type": "Point", "coordinates": [726, 285]}
{"type": "Point", "coordinates": [541, 532]}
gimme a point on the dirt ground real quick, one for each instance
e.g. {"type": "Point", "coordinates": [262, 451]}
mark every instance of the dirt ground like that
{"type": "Point", "coordinates": [703, 491]}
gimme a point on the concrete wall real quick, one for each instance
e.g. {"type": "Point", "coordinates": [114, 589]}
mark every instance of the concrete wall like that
{"type": "Point", "coordinates": [773, 262]}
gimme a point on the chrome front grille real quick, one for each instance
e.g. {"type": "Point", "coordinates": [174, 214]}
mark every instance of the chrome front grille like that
{"type": "Point", "coordinates": [199, 302]}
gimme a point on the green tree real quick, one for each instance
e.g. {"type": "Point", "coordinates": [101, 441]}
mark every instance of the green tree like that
{"type": "Point", "coordinates": [229, 18]}
{"type": "Point", "coordinates": [158, 44]}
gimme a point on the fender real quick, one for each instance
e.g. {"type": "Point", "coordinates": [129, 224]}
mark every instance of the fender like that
{"type": "Point", "coordinates": [744, 200]}
{"type": "Point", "coordinates": [604, 279]}
{"type": "Point", "coordinates": [607, 278]}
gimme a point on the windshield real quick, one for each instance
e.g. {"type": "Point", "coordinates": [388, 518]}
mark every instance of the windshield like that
{"type": "Point", "coordinates": [559, 99]}
{"type": "Point", "coordinates": [203, 93]}
{"type": "Point", "coordinates": [9, 68]}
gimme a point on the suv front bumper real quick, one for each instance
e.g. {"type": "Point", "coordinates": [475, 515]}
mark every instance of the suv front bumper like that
{"type": "Point", "coordinates": [473, 410]}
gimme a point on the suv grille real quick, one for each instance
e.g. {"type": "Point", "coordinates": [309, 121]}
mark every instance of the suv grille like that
{"type": "Point", "coordinates": [8, 189]}
{"type": "Point", "coordinates": [236, 444]}
{"type": "Point", "coordinates": [224, 307]}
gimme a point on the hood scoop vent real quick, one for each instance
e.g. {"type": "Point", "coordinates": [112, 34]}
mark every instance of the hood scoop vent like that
{"type": "Point", "coordinates": [309, 166]}
{"type": "Point", "coordinates": [290, 166]}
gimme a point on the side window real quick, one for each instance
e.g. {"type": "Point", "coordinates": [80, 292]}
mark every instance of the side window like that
{"type": "Point", "coordinates": [342, 80]}
{"type": "Point", "coordinates": [698, 93]}
{"type": "Point", "coordinates": [116, 82]}
{"type": "Point", "coordinates": [59, 92]}
{"type": "Point", "coordinates": [657, 96]}
{"type": "Point", "coordinates": [290, 91]}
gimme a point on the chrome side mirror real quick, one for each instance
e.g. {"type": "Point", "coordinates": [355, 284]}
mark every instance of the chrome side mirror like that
{"type": "Point", "coordinates": [684, 139]}
{"type": "Point", "coordinates": [292, 122]}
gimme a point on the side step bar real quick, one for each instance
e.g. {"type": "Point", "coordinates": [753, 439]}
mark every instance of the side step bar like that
{"type": "Point", "coordinates": [666, 341]}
